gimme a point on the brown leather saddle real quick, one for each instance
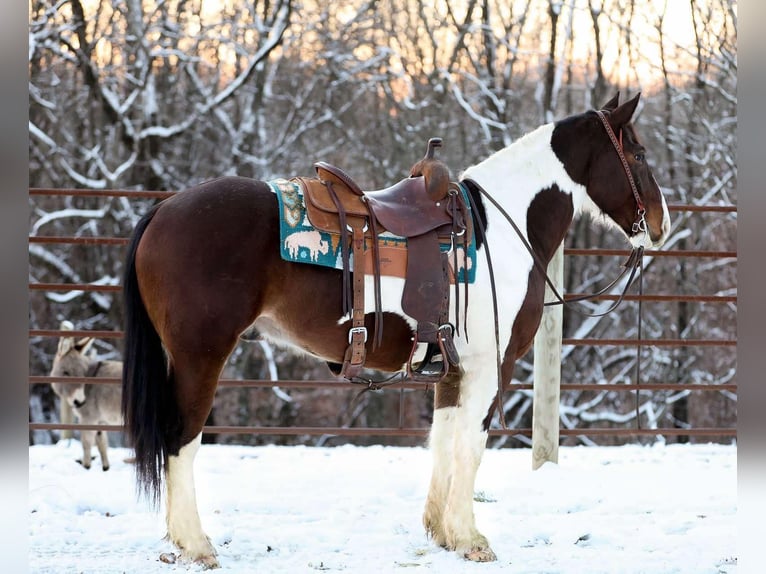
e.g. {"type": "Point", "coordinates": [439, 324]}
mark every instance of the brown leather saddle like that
{"type": "Point", "coordinates": [426, 208]}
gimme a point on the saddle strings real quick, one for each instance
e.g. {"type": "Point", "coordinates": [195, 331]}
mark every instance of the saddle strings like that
{"type": "Point", "coordinates": [348, 304]}
{"type": "Point", "coordinates": [453, 238]}
{"type": "Point", "coordinates": [347, 297]}
{"type": "Point", "coordinates": [456, 192]}
{"type": "Point", "coordinates": [490, 269]}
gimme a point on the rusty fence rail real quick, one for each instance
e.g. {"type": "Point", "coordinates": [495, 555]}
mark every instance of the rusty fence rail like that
{"type": "Point", "coordinates": [402, 431]}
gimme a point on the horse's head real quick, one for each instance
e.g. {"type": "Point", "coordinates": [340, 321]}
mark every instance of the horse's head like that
{"type": "Point", "coordinates": [619, 181]}
{"type": "Point", "coordinates": [71, 361]}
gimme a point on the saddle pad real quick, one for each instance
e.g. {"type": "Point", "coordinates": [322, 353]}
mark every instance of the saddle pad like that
{"type": "Point", "coordinates": [300, 242]}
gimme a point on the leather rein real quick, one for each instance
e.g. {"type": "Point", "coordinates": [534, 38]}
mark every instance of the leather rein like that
{"type": "Point", "coordinates": [633, 263]}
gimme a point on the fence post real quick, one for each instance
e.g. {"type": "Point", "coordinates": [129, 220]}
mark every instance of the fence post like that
{"type": "Point", "coordinates": [547, 372]}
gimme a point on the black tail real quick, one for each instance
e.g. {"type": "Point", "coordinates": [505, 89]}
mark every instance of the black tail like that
{"type": "Point", "coordinates": [149, 407]}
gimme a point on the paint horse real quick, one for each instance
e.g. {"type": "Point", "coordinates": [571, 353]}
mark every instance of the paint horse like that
{"type": "Point", "coordinates": [92, 404]}
{"type": "Point", "coordinates": [204, 265]}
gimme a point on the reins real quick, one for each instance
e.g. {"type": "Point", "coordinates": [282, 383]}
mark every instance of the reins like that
{"type": "Point", "coordinates": [632, 264]}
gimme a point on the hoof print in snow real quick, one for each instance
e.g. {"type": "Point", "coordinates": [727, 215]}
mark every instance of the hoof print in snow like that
{"type": "Point", "coordinates": [168, 558]}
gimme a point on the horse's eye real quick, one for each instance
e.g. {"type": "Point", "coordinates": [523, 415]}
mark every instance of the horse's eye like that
{"type": "Point", "coordinates": [639, 157]}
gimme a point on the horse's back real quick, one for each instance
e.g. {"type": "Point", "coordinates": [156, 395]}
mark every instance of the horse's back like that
{"type": "Point", "coordinates": [220, 213]}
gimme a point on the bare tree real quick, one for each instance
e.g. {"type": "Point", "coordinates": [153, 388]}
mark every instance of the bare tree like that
{"type": "Point", "coordinates": [160, 95]}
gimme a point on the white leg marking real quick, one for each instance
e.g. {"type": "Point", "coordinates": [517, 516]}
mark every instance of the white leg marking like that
{"type": "Point", "coordinates": [459, 521]}
{"type": "Point", "coordinates": [441, 443]}
{"type": "Point", "coordinates": [469, 440]}
{"type": "Point", "coordinates": [184, 526]}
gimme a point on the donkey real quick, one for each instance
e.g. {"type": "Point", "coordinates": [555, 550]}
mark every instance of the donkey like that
{"type": "Point", "coordinates": [204, 266]}
{"type": "Point", "coordinates": [93, 403]}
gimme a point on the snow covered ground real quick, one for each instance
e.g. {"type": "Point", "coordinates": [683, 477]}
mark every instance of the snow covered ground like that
{"type": "Point", "coordinates": [654, 510]}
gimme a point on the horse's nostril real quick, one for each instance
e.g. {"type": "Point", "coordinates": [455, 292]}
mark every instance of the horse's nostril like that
{"type": "Point", "coordinates": [78, 404]}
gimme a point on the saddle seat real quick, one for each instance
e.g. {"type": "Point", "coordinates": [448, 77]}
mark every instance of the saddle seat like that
{"type": "Point", "coordinates": [426, 209]}
{"type": "Point", "coordinates": [405, 209]}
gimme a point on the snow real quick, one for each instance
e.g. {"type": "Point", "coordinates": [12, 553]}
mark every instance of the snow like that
{"type": "Point", "coordinates": [271, 509]}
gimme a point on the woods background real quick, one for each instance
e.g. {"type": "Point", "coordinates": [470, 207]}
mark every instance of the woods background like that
{"type": "Point", "coordinates": [162, 95]}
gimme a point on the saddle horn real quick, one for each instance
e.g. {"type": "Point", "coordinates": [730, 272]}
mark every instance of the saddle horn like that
{"type": "Point", "coordinates": [436, 173]}
{"type": "Point", "coordinates": [433, 145]}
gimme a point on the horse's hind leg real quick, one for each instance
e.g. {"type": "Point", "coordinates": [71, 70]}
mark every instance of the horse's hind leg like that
{"type": "Point", "coordinates": [184, 525]}
{"type": "Point", "coordinates": [102, 443]}
{"type": "Point", "coordinates": [195, 388]}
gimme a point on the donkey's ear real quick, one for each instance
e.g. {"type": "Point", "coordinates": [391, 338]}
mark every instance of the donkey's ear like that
{"type": "Point", "coordinates": [66, 344]}
{"type": "Point", "coordinates": [611, 104]}
{"type": "Point", "coordinates": [83, 345]}
{"type": "Point", "coordinates": [622, 114]}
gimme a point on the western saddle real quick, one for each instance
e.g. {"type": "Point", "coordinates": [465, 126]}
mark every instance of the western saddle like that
{"type": "Point", "coordinates": [426, 209]}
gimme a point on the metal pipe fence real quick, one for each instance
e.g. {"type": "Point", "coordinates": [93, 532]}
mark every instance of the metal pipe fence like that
{"type": "Point", "coordinates": [406, 386]}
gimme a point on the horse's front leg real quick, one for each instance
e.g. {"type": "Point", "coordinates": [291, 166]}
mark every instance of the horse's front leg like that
{"type": "Point", "coordinates": [458, 440]}
{"type": "Point", "coordinates": [184, 526]}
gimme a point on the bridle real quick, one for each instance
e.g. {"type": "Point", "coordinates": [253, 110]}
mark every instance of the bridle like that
{"type": "Point", "coordinates": [640, 223]}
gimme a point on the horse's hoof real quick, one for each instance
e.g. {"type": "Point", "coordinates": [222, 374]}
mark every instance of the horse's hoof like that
{"type": "Point", "coordinates": [209, 562]}
{"type": "Point", "coordinates": [481, 555]}
{"type": "Point", "coordinates": [198, 550]}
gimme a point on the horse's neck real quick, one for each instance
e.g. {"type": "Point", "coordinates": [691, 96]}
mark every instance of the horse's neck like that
{"type": "Point", "coordinates": [533, 187]}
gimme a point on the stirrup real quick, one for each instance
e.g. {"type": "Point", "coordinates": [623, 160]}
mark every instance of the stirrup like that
{"type": "Point", "coordinates": [430, 370]}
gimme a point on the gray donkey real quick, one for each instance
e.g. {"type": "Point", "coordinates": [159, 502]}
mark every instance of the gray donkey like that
{"type": "Point", "coordinates": [94, 403]}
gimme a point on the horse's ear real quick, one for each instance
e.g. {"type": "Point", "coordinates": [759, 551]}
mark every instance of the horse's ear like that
{"type": "Point", "coordinates": [622, 114]}
{"type": "Point", "coordinates": [611, 104]}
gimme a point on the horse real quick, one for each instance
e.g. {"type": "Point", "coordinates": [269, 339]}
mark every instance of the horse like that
{"type": "Point", "coordinates": [91, 404]}
{"type": "Point", "coordinates": [204, 265]}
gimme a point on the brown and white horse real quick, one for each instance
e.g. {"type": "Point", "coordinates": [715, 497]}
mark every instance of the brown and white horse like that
{"type": "Point", "coordinates": [204, 265]}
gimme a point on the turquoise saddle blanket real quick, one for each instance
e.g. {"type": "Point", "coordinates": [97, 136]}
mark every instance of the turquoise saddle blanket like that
{"type": "Point", "coordinates": [300, 242]}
